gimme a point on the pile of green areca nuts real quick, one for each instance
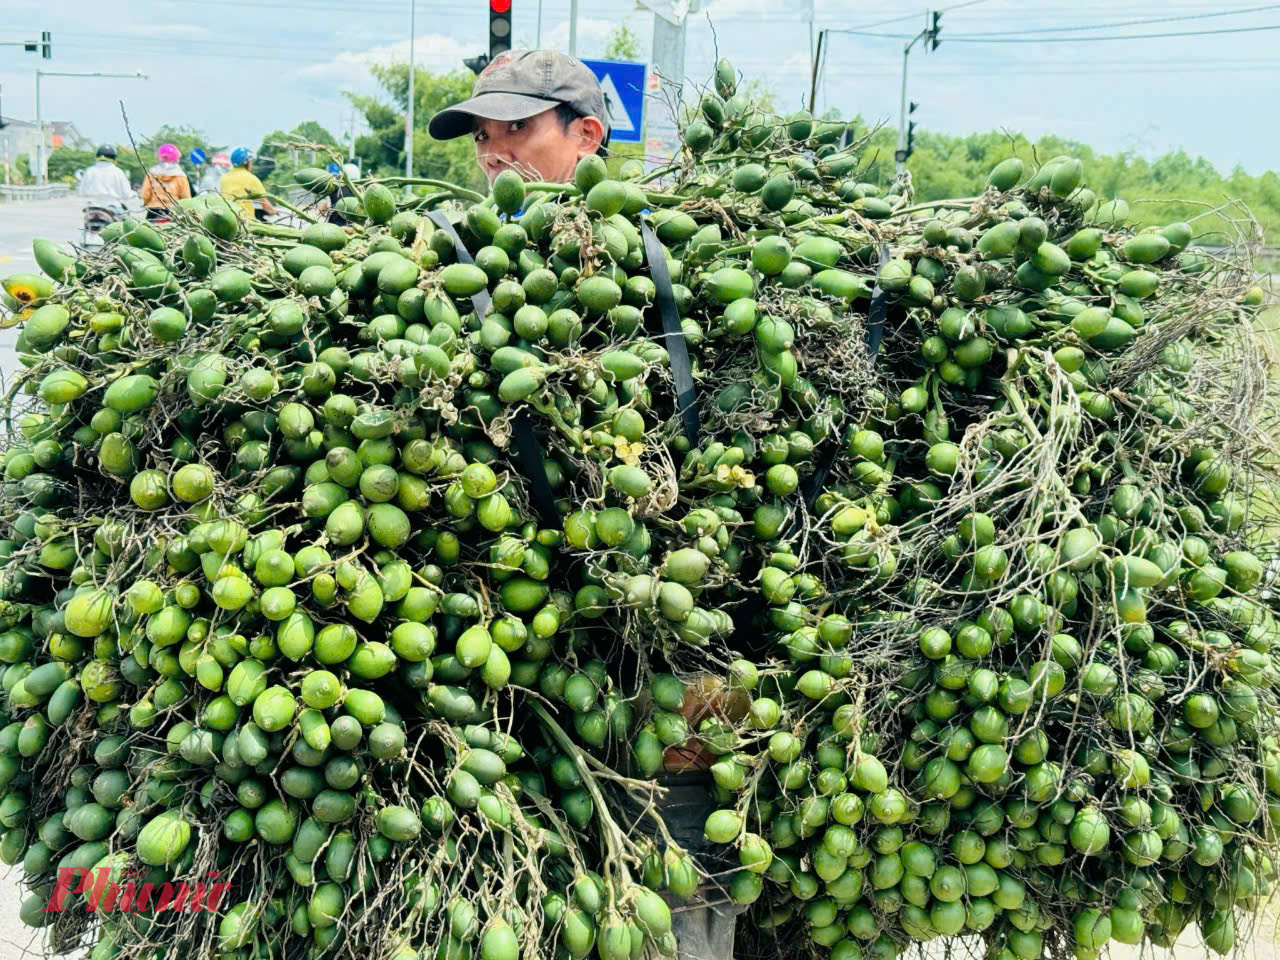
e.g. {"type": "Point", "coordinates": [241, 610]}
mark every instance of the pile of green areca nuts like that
{"type": "Point", "coordinates": [389, 571]}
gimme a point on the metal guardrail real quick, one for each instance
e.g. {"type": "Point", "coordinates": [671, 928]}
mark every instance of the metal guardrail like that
{"type": "Point", "coordinates": [49, 191]}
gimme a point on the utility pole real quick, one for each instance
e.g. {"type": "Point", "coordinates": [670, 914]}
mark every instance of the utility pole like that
{"type": "Point", "coordinates": [538, 42]}
{"type": "Point", "coordinates": [930, 35]}
{"type": "Point", "coordinates": [408, 117]}
{"type": "Point", "coordinates": [573, 28]}
{"type": "Point", "coordinates": [817, 69]}
{"type": "Point", "coordinates": [44, 47]}
{"type": "Point", "coordinates": [668, 64]}
{"type": "Point", "coordinates": [808, 5]}
{"type": "Point", "coordinates": [40, 157]}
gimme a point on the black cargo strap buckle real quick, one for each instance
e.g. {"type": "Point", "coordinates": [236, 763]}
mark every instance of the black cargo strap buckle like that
{"type": "Point", "coordinates": [527, 449]}
{"type": "Point", "coordinates": [874, 336]}
{"type": "Point", "coordinates": [673, 334]}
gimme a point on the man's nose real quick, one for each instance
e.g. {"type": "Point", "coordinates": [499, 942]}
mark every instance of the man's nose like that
{"type": "Point", "coordinates": [500, 144]}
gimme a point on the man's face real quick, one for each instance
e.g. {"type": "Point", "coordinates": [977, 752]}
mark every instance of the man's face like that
{"type": "Point", "coordinates": [539, 148]}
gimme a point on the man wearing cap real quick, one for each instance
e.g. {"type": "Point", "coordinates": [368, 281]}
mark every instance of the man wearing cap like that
{"type": "Point", "coordinates": [537, 112]}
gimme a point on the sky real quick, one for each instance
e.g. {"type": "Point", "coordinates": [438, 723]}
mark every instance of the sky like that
{"type": "Point", "coordinates": [237, 69]}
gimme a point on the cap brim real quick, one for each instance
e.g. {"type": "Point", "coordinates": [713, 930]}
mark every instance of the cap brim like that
{"type": "Point", "coordinates": [456, 121]}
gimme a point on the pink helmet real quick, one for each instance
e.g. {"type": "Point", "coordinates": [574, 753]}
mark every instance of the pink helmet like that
{"type": "Point", "coordinates": [221, 160]}
{"type": "Point", "coordinates": [168, 153]}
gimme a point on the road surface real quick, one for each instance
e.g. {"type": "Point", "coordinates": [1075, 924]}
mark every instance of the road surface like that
{"type": "Point", "coordinates": [20, 223]}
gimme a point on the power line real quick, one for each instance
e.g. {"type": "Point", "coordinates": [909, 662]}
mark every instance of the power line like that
{"type": "Point", "coordinates": [881, 23]}
{"type": "Point", "coordinates": [377, 6]}
{"type": "Point", "coordinates": [1069, 72]}
{"type": "Point", "coordinates": [1129, 36]}
{"type": "Point", "coordinates": [868, 68]}
{"type": "Point", "coordinates": [392, 7]}
{"type": "Point", "coordinates": [1134, 23]}
{"type": "Point", "coordinates": [93, 48]}
{"type": "Point", "coordinates": [159, 43]}
{"type": "Point", "coordinates": [317, 61]}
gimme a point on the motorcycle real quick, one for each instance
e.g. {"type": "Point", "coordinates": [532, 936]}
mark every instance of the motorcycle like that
{"type": "Point", "coordinates": [96, 219]}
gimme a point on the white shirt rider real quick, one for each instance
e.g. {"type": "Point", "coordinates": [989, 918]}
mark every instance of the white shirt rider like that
{"type": "Point", "coordinates": [106, 185]}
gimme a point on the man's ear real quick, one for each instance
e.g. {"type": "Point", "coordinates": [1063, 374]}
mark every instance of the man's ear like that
{"type": "Point", "coordinates": [591, 132]}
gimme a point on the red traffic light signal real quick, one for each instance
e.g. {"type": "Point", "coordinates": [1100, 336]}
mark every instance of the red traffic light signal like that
{"type": "Point", "coordinates": [499, 27]}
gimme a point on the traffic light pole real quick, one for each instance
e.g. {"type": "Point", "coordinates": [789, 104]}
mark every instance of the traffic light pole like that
{"type": "Point", "coordinates": [901, 154]}
{"type": "Point", "coordinates": [408, 116]}
{"type": "Point", "coordinates": [930, 33]}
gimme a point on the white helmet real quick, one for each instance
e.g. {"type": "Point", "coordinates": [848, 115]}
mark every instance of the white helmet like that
{"type": "Point", "coordinates": [351, 170]}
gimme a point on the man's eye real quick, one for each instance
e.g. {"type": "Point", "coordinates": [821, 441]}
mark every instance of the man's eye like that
{"type": "Point", "coordinates": [480, 136]}
{"type": "Point", "coordinates": [516, 125]}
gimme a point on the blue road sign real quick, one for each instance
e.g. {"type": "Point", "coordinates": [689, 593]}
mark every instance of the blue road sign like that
{"type": "Point", "coordinates": [623, 85]}
{"type": "Point", "coordinates": [196, 156]}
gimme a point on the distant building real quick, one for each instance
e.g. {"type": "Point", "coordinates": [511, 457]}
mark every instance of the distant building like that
{"type": "Point", "coordinates": [18, 137]}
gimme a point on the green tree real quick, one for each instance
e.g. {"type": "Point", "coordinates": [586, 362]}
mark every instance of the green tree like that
{"type": "Point", "coordinates": [64, 162]}
{"type": "Point", "coordinates": [1174, 186]}
{"type": "Point", "coordinates": [282, 152]}
{"type": "Point", "coordinates": [381, 151]}
{"type": "Point", "coordinates": [314, 132]}
{"type": "Point", "coordinates": [761, 94]}
{"type": "Point", "coordinates": [622, 44]}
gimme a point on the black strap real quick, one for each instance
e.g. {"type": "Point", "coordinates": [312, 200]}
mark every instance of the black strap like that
{"type": "Point", "coordinates": [818, 479]}
{"type": "Point", "coordinates": [874, 335]}
{"type": "Point", "coordinates": [479, 301]}
{"type": "Point", "coordinates": [879, 306]}
{"type": "Point", "coordinates": [677, 347]}
{"type": "Point", "coordinates": [527, 448]}
{"type": "Point", "coordinates": [544, 498]}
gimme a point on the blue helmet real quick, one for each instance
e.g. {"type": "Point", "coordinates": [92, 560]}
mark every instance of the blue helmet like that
{"type": "Point", "coordinates": [240, 156]}
{"type": "Point", "coordinates": [334, 168]}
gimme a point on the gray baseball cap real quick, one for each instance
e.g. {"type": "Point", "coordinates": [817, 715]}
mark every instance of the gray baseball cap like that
{"type": "Point", "coordinates": [520, 84]}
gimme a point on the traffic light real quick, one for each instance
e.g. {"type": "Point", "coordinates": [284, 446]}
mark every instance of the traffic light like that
{"type": "Point", "coordinates": [499, 27]}
{"type": "Point", "coordinates": [933, 30]}
{"type": "Point", "coordinates": [911, 131]}
{"type": "Point", "coordinates": [46, 45]}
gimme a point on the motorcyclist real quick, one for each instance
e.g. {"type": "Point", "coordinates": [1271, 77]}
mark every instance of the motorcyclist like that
{"type": "Point", "coordinates": [165, 183]}
{"type": "Point", "coordinates": [104, 184]}
{"type": "Point", "coordinates": [213, 173]}
{"type": "Point", "coordinates": [240, 185]}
